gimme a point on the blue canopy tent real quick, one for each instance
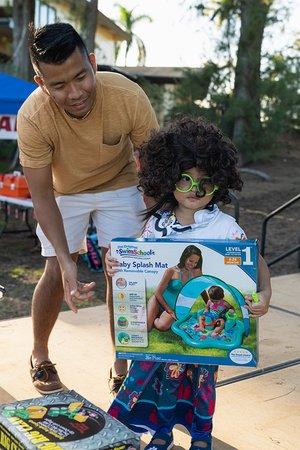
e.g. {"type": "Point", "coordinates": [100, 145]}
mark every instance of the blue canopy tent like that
{"type": "Point", "coordinates": [13, 92]}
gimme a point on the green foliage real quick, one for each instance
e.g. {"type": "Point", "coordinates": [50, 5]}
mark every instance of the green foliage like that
{"type": "Point", "coordinates": [280, 94]}
{"type": "Point", "coordinates": [156, 94]}
{"type": "Point", "coordinates": [128, 20]}
{"type": "Point", "coordinates": [194, 86]}
{"type": "Point", "coordinates": [271, 104]}
{"type": "Point", "coordinates": [7, 153]}
{"type": "Point", "coordinates": [217, 8]}
{"type": "Point", "coordinates": [204, 93]}
{"type": "Point", "coordinates": [196, 93]}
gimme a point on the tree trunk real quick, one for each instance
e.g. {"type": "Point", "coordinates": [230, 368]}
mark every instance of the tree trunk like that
{"type": "Point", "coordinates": [246, 96]}
{"type": "Point", "coordinates": [90, 24]}
{"type": "Point", "coordinates": [23, 14]}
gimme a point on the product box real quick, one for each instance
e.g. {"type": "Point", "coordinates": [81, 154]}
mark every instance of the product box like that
{"type": "Point", "coordinates": [64, 420]}
{"type": "Point", "coordinates": [219, 332]}
{"type": "Point", "coordinates": [14, 185]}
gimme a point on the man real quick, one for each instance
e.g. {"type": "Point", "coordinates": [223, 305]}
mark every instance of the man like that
{"type": "Point", "coordinates": [76, 135]}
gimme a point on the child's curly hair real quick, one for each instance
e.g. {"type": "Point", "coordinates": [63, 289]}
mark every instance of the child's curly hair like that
{"type": "Point", "coordinates": [185, 143]}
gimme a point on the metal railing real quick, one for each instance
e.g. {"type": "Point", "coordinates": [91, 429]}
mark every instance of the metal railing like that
{"type": "Point", "coordinates": [264, 233]}
{"type": "Point", "coordinates": [236, 206]}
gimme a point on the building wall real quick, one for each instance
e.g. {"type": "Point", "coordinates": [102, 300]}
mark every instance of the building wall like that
{"type": "Point", "coordinates": [59, 11]}
{"type": "Point", "coordinates": [104, 51]}
{"type": "Point", "coordinates": [104, 47]}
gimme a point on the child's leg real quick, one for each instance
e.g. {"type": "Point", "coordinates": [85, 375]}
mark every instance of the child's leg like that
{"type": "Point", "coordinates": [201, 322]}
{"type": "Point", "coordinates": [152, 311]}
{"type": "Point", "coordinates": [204, 405]}
{"type": "Point", "coordinates": [164, 322]}
{"type": "Point", "coordinates": [219, 327]}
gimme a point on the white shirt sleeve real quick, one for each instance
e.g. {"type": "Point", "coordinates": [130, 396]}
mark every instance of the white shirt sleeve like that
{"type": "Point", "coordinates": [236, 232]}
{"type": "Point", "coordinates": [148, 231]}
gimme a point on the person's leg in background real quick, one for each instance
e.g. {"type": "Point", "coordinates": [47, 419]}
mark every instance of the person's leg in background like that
{"type": "Point", "coordinates": [119, 366]}
{"type": "Point", "coordinates": [46, 304]}
{"type": "Point", "coordinates": [118, 214]}
{"type": "Point", "coordinates": [48, 294]}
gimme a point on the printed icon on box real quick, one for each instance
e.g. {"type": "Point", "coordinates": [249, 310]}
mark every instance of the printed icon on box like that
{"type": "Point", "coordinates": [122, 308]}
{"type": "Point", "coordinates": [121, 295]}
{"type": "Point", "coordinates": [122, 322]}
{"type": "Point", "coordinates": [123, 338]}
{"type": "Point", "coordinates": [121, 283]}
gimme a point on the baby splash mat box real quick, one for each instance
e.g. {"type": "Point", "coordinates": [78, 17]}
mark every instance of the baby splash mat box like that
{"type": "Point", "coordinates": [64, 420]}
{"type": "Point", "coordinates": [184, 301]}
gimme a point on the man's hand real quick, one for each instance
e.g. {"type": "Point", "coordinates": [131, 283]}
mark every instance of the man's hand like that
{"type": "Point", "coordinates": [74, 288]}
{"type": "Point", "coordinates": [84, 291]}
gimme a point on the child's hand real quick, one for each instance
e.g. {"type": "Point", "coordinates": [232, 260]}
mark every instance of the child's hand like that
{"type": "Point", "coordinates": [111, 264]}
{"type": "Point", "coordinates": [257, 308]}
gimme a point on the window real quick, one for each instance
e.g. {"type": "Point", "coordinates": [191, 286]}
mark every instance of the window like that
{"type": "Point", "coordinates": [44, 14]}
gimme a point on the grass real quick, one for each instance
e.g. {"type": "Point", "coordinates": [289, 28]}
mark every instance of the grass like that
{"type": "Point", "coordinates": [21, 266]}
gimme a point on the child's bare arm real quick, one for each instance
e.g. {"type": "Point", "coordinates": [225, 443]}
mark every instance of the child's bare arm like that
{"type": "Point", "coordinates": [260, 307]}
{"type": "Point", "coordinates": [228, 305]}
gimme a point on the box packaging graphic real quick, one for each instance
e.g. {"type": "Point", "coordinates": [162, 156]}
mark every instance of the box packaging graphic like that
{"type": "Point", "coordinates": [197, 335]}
{"type": "Point", "coordinates": [64, 420]}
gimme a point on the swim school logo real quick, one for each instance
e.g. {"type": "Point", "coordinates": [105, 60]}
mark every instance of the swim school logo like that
{"type": "Point", "coordinates": [133, 251]}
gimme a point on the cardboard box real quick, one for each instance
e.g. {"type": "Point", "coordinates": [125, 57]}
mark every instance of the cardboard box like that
{"type": "Point", "coordinates": [231, 265]}
{"type": "Point", "coordinates": [62, 421]}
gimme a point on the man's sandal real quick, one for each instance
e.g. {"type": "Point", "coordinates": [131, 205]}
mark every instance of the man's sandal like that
{"type": "Point", "coordinates": [45, 377]}
{"type": "Point", "coordinates": [114, 383]}
{"type": "Point", "coordinates": [160, 441]}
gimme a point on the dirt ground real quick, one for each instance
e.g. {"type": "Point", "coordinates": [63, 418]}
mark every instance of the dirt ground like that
{"type": "Point", "coordinates": [21, 264]}
{"type": "Point", "coordinates": [260, 197]}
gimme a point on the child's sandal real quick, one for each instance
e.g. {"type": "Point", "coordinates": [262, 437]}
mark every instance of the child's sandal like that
{"type": "Point", "coordinates": [197, 447]}
{"type": "Point", "coordinates": [167, 445]}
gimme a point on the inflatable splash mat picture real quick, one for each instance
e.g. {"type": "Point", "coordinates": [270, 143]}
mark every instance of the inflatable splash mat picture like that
{"type": "Point", "coordinates": [184, 301]}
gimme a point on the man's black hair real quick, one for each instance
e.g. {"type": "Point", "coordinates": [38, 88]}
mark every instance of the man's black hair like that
{"type": "Point", "coordinates": [54, 43]}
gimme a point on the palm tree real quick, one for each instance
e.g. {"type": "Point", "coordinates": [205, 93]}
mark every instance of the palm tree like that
{"type": "Point", "coordinates": [128, 21]}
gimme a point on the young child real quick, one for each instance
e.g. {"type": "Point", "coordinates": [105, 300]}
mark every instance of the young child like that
{"type": "Point", "coordinates": [186, 168]}
{"type": "Point", "coordinates": [215, 310]}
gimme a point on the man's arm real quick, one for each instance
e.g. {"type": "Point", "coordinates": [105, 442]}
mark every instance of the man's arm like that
{"type": "Point", "coordinates": [50, 221]}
